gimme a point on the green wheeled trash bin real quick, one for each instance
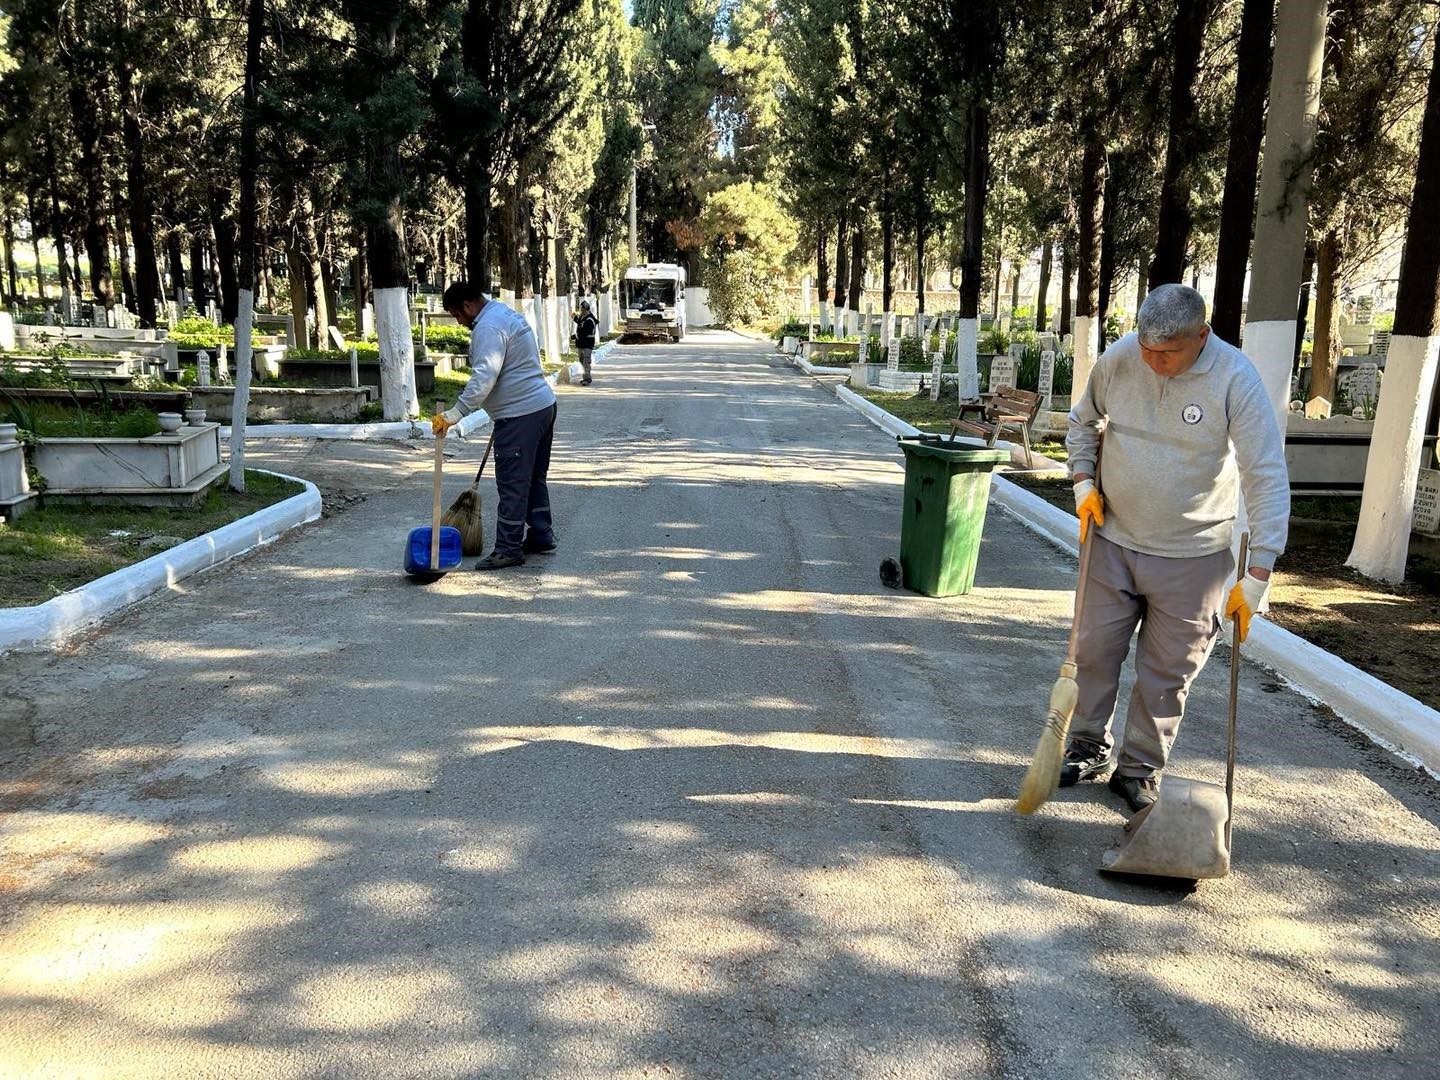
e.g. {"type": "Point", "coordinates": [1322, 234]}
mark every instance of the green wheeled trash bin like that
{"type": "Point", "coordinates": [947, 488]}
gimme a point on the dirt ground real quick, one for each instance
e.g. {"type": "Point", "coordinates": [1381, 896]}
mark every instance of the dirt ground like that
{"type": "Point", "coordinates": [1391, 632]}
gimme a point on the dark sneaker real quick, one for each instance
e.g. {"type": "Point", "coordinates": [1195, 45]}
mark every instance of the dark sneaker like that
{"type": "Point", "coordinates": [535, 547]}
{"type": "Point", "coordinates": [498, 561]}
{"type": "Point", "coordinates": [1084, 761]}
{"type": "Point", "coordinates": [1138, 791]}
{"type": "Point", "coordinates": [586, 381]}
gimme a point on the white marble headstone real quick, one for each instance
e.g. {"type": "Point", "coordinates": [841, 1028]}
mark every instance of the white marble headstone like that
{"type": "Point", "coordinates": [892, 360]}
{"type": "Point", "coordinates": [1002, 372]}
{"type": "Point", "coordinates": [1047, 380]}
{"type": "Point", "coordinates": [202, 368]}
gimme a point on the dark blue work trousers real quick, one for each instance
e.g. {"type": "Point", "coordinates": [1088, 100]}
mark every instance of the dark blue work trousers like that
{"type": "Point", "coordinates": [522, 460]}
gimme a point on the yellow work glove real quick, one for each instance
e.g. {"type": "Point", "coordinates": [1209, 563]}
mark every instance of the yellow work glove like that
{"type": "Point", "coordinates": [1089, 505]}
{"type": "Point", "coordinates": [1247, 599]}
{"type": "Point", "coordinates": [439, 425]}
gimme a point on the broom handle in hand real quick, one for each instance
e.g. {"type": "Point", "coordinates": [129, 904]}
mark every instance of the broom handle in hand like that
{"type": "Point", "coordinates": [1240, 572]}
{"type": "Point", "coordinates": [1086, 548]}
{"type": "Point", "coordinates": [435, 506]}
{"type": "Point", "coordinates": [481, 471]}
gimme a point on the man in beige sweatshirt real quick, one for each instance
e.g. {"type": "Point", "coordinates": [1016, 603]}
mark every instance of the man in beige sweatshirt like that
{"type": "Point", "coordinates": [1188, 428]}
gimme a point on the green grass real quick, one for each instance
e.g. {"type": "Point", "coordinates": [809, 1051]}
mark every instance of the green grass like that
{"type": "Point", "coordinates": [929, 416]}
{"type": "Point", "coordinates": [58, 548]}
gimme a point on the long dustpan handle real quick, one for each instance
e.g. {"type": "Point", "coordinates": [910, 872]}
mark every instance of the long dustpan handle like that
{"type": "Point", "coordinates": [435, 507]}
{"type": "Point", "coordinates": [1234, 694]}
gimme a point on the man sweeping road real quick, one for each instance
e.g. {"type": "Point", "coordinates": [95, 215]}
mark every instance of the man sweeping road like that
{"type": "Point", "coordinates": [509, 384]}
{"type": "Point", "coordinates": [1188, 428]}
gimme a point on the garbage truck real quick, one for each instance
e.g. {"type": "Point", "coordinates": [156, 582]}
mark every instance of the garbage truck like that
{"type": "Point", "coordinates": [652, 296]}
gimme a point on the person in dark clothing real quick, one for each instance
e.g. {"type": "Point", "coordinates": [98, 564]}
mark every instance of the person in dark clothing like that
{"type": "Point", "coordinates": [587, 329]}
{"type": "Point", "coordinates": [509, 384]}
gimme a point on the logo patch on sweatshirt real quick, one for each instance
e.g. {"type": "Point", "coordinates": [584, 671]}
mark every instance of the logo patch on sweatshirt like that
{"type": "Point", "coordinates": [1192, 414]}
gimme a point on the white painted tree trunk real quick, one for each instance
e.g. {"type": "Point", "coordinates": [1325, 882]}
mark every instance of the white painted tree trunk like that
{"type": "Point", "coordinates": [397, 353]}
{"type": "Point", "coordinates": [887, 329]}
{"type": "Point", "coordinates": [607, 314]}
{"type": "Point", "coordinates": [1280, 222]}
{"type": "Point", "coordinates": [1087, 351]}
{"type": "Point", "coordinates": [825, 317]}
{"type": "Point", "coordinates": [244, 350]}
{"type": "Point", "coordinates": [1382, 537]}
{"type": "Point", "coordinates": [967, 344]}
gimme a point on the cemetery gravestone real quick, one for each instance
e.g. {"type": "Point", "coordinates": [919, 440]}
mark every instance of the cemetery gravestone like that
{"type": "Point", "coordinates": [1047, 380]}
{"type": "Point", "coordinates": [892, 360]}
{"type": "Point", "coordinates": [1002, 372]}
{"type": "Point", "coordinates": [936, 367]}
{"type": "Point", "coordinates": [1427, 503]}
{"type": "Point", "coordinates": [863, 355]}
{"type": "Point", "coordinates": [1365, 385]}
{"type": "Point", "coordinates": [336, 338]}
{"type": "Point", "coordinates": [202, 368]}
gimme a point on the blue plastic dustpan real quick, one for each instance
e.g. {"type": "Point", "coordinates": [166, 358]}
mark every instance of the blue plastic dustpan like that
{"type": "Point", "coordinates": [417, 551]}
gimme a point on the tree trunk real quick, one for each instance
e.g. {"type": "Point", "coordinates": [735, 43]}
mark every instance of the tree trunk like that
{"type": "Point", "coordinates": [138, 197]}
{"type": "Point", "coordinates": [177, 268]}
{"type": "Point", "coordinates": [360, 283]}
{"type": "Point", "coordinates": [477, 221]}
{"type": "Point", "coordinates": [1087, 295]}
{"type": "Point", "coordinates": [842, 269]}
{"type": "Point", "coordinates": [1141, 290]}
{"type": "Point", "coordinates": [887, 249]}
{"type": "Point", "coordinates": [11, 276]}
{"type": "Point", "coordinates": [1182, 145]}
{"type": "Point", "coordinates": [85, 82]}
{"type": "Point", "coordinates": [1237, 208]}
{"type": "Point", "coordinates": [919, 262]}
{"type": "Point", "coordinates": [249, 210]}
{"type": "Point", "coordinates": [1326, 352]}
{"type": "Point", "coordinates": [315, 280]}
{"type": "Point", "coordinates": [295, 278]}
{"type": "Point", "coordinates": [223, 226]}
{"type": "Point", "coordinates": [1105, 284]}
{"type": "Point", "coordinates": [822, 276]}
{"type": "Point", "coordinates": [1014, 290]}
{"type": "Point", "coordinates": [1067, 279]}
{"type": "Point", "coordinates": [127, 282]}
{"type": "Point", "coordinates": [34, 220]}
{"type": "Point", "coordinates": [1382, 537]}
{"type": "Point", "coordinates": [57, 226]}
{"type": "Point", "coordinates": [857, 261]}
{"type": "Point", "coordinates": [1281, 224]}
{"type": "Point", "coordinates": [384, 183]}
{"type": "Point", "coordinates": [199, 292]}
{"type": "Point", "coordinates": [1042, 311]}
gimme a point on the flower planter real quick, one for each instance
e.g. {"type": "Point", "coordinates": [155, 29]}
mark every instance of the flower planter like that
{"type": "Point", "coordinates": [1328, 457]}
{"type": "Point", "coordinates": [15, 493]}
{"type": "Point", "coordinates": [159, 470]}
{"type": "Point", "coordinates": [337, 372]}
{"type": "Point", "coordinates": [334, 405]}
{"type": "Point", "coordinates": [826, 353]}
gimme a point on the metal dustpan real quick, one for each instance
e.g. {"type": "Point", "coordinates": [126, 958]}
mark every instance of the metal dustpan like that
{"type": "Point", "coordinates": [1185, 833]}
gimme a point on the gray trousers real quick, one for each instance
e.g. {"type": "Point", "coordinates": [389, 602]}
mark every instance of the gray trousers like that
{"type": "Point", "coordinates": [1177, 604]}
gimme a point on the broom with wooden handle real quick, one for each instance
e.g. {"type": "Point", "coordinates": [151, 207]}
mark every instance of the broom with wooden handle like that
{"type": "Point", "coordinates": [1043, 775]}
{"type": "Point", "coordinates": [465, 512]}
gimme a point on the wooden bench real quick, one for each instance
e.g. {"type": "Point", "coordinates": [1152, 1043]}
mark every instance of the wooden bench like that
{"type": "Point", "coordinates": [1006, 407]}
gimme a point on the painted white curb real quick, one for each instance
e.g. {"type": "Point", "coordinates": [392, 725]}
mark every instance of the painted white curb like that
{"type": "Point", "coordinates": [382, 430]}
{"type": "Point", "coordinates": [818, 369]}
{"type": "Point", "coordinates": [1389, 717]}
{"type": "Point", "coordinates": [51, 623]}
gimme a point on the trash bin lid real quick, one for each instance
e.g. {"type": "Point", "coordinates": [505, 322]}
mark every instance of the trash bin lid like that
{"type": "Point", "coordinates": [958, 453]}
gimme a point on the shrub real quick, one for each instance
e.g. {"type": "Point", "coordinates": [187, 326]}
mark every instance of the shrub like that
{"type": "Point", "coordinates": [450, 339]}
{"type": "Point", "coordinates": [742, 291]}
{"type": "Point", "coordinates": [792, 329]}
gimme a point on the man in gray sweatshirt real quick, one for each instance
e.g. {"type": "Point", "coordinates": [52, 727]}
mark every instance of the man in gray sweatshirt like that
{"type": "Point", "coordinates": [1188, 428]}
{"type": "Point", "coordinates": [509, 384]}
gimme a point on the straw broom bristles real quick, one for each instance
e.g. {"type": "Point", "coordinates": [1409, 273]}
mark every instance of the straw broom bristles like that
{"type": "Point", "coordinates": [1044, 772]}
{"type": "Point", "coordinates": [465, 515]}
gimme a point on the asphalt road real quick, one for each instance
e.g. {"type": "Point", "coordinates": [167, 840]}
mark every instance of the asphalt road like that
{"type": "Point", "coordinates": [695, 796]}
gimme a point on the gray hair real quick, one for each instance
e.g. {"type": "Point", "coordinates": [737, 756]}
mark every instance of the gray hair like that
{"type": "Point", "coordinates": [1170, 312]}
